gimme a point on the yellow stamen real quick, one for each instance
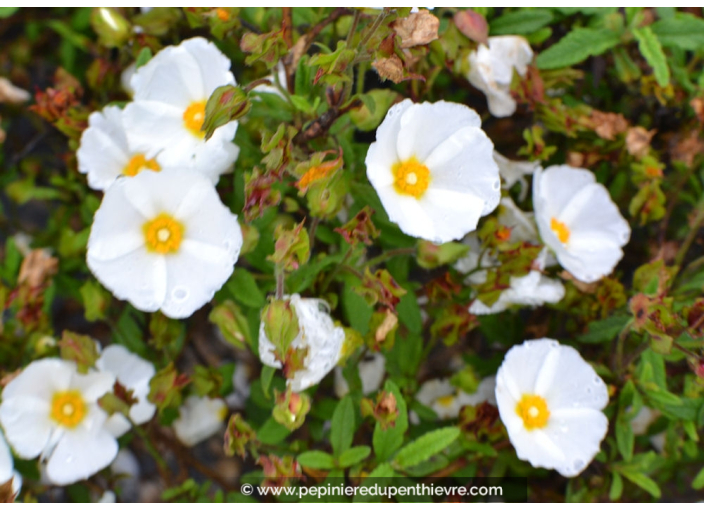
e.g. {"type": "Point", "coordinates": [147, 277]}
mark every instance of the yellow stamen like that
{"type": "Point", "coordinates": [68, 408]}
{"type": "Point", "coordinates": [193, 118]}
{"type": "Point", "coordinates": [561, 230]}
{"type": "Point", "coordinates": [411, 177]}
{"type": "Point", "coordinates": [139, 163]}
{"type": "Point", "coordinates": [163, 234]}
{"type": "Point", "coordinates": [446, 401]}
{"type": "Point", "coordinates": [534, 411]}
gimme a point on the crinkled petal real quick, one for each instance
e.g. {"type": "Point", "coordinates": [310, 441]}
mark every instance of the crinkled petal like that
{"type": "Point", "coordinates": [382, 154]}
{"type": "Point", "coordinates": [555, 187]}
{"type": "Point", "coordinates": [426, 125]}
{"type": "Point", "coordinates": [81, 454]}
{"type": "Point", "coordinates": [27, 424]}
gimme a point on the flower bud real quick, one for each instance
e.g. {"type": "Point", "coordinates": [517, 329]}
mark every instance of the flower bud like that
{"type": "Point", "coordinates": [112, 28]}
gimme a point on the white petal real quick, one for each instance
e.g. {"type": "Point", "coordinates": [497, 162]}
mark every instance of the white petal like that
{"type": "Point", "coordinates": [434, 389]}
{"type": "Point", "coordinates": [452, 213]}
{"type": "Point", "coordinates": [80, 454]}
{"type": "Point", "coordinates": [555, 187]}
{"type": "Point", "coordinates": [522, 224]}
{"type": "Point", "coordinates": [117, 425]}
{"type": "Point", "coordinates": [27, 424]}
{"type": "Point", "coordinates": [152, 126]}
{"type": "Point", "coordinates": [522, 365]}
{"type": "Point", "coordinates": [103, 152]}
{"type": "Point", "coordinates": [590, 256]}
{"type": "Point", "coordinates": [214, 65]}
{"type": "Point", "coordinates": [199, 419]}
{"type": "Point", "coordinates": [41, 379]}
{"type": "Point", "coordinates": [425, 126]}
{"type": "Point", "coordinates": [382, 154]}
{"type": "Point", "coordinates": [407, 212]}
{"type": "Point", "coordinates": [93, 385]}
{"type": "Point", "coordinates": [593, 211]}
{"type": "Point", "coordinates": [464, 162]}
{"type": "Point", "coordinates": [6, 462]}
{"type": "Point", "coordinates": [577, 433]}
{"type": "Point", "coordinates": [171, 76]}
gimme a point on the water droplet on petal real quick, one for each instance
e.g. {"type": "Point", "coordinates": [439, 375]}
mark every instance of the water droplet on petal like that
{"type": "Point", "coordinates": [179, 293]}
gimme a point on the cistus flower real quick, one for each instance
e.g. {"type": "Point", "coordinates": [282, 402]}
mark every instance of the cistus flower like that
{"type": "Point", "coordinates": [51, 410]}
{"type": "Point", "coordinates": [318, 338]}
{"type": "Point", "coordinates": [491, 70]}
{"type": "Point", "coordinates": [446, 400]}
{"type": "Point", "coordinates": [134, 373]}
{"type": "Point", "coordinates": [104, 153]}
{"type": "Point", "coordinates": [164, 241]}
{"type": "Point", "coordinates": [168, 108]}
{"type": "Point", "coordinates": [433, 168]}
{"type": "Point", "coordinates": [199, 418]}
{"type": "Point", "coordinates": [578, 220]}
{"type": "Point", "coordinates": [550, 401]}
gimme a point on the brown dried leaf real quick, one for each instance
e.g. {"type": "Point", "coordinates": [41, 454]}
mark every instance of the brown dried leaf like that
{"type": "Point", "coordinates": [37, 267]}
{"type": "Point", "coordinates": [698, 105]}
{"type": "Point", "coordinates": [386, 326]}
{"type": "Point", "coordinates": [389, 68]}
{"type": "Point", "coordinates": [417, 29]}
{"type": "Point", "coordinates": [687, 149]}
{"type": "Point", "coordinates": [587, 288]}
{"type": "Point", "coordinates": [473, 25]}
{"type": "Point", "coordinates": [7, 494]}
{"type": "Point", "coordinates": [12, 94]}
{"type": "Point", "coordinates": [607, 125]}
{"type": "Point", "coordinates": [638, 141]}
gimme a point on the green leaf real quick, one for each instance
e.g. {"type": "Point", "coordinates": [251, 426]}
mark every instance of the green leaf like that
{"type": "Point", "coordinates": [577, 46]}
{"type": "Point", "coordinates": [354, 456]}
{"type": "Point", "coordinates": [698, 482]}
{"type": "Point", "coordinates": [409, 312]}
{"type": "Point", "coordinates": [426, 446]}
{"type": "Point", "coordinates": [644, 482]}
{"type": "Point", "coordinates": [386, 442]}
{"type": "Point", "coordinates": [316, 460]}
{"type": "Point", "coordinates": [682, 31]}
{"type": "Point", "coordinates": [651, 50]}
{"type": "Point", "coordinates": [616, 487]}
{"type": "Point", "coordinates": [6, 12]}
{"type": "Point", "coordinates": [604, 330]}
{"type": "Point", "coordinates": [625, 438]}
{"type": "Point", "coordinates": [243, 288]}
{"type": "Point", "coordinates": [342, 427]}
{"type": "Point", "coordinates": [272, 432]}
{"type": "Point", "coordinates": [267, 376]}
{"type": "Point", "coordinates": [523, 22]}
{"type": "Point", "coordinates": [144, 56]}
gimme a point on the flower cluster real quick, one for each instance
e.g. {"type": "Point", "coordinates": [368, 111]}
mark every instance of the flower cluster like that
{"type": "Point", "coordinates": [162, 239]}
{"type": "Point", "coordinates": [52, 411]}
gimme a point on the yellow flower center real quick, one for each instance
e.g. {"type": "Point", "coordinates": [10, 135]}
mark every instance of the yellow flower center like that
{"type": "Point", "coordinates": [163, 234]}
{"type": "Point", "coordinates": [68, 408]}
{"type": "Point", "coordinates": [411, 177]}
{"type": "Point", "coordinates": [534, 411]}
{"type": "Point", "coordinates": [446, 401]}
{"type": "Point", "coordinates": [193, 118]}
{"type": "Point", "coordinates": [560, 229]}
{"type": "Point", "coordinates": [139, 163]}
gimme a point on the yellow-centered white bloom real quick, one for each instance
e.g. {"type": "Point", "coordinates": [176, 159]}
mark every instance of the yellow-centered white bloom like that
{"type": "Point", "coordinates": [51, 410]}
{"type": "Point", "coordinates": [199, 418]}
{"type": "Point", "coordinates": [446, 400]}
{"type": "Point", "coordinates": [164, 241]}
{"type": "Point", "coordinates": [433, 169]}
{"type": "Point", "coordinates": [317, 334]}
{"type": "Point", "coordinates": [578, 220]}
{"type": "Point", "coordinates": [134, 373]}
{"type": "Point", "coordinates": [104, 153]}
{"type": "Point", "coordinates": [491, 70]}
{"type": "Point", "coordinates": [168, 108]}
{"type": "Point", "coordinates": [550, 401]}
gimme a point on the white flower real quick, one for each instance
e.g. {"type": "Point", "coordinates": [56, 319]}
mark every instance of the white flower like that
{"type": "Point", "coordinates": [550, 401]}
{"type": "Point", "coordinates": [446, 400]}
{"type": "Point", "coordinates": [164, 241]}
{"type": "Point", "coordinates": [433, 169]}
{"type": "Point", "coordinates": [199, 418]}
{"type": "Point", "coordinates": [515, 171]}
{"type": "Point", "coordinates": [317, 333]}
{"type": "Point", "coordinates": [642, 421]}
{"type": "Point", "coordinates": [7, 467]}
{"type": "Point", "coordinates": [371, 373]}
{"type": "Point", "coordinates": [134, 374]}
{"type": "Point", "coordinates": [51, 410]}
{"type": "Point", "coordinates": [240, 384]}
{"type": "Point", "coordinates": [578, 220]}
{"type": "Point", "coordinates": [167, 114]}
{"type": "Point", "coordinates": [491, 70]}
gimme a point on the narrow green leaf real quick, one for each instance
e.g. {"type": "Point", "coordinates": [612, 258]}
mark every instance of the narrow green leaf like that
{"type": "Point", "coordinates": [577, 46]}
{"type": "Point", "coordinates": [272, 432]}
{"type": "Point", "coordinates": [354, 456]}
{"type": "Point", "coordinates": [426, 446]}
{"type": "Point", "coordinates": [644, 482]}
{"type": "Point", "coordinates": [616, 487]}
{"type": "Point", "coordinates": [266, 377]}
{"type": "Point", "coordinates": [682, 31]}
{"type": "Point", "coordinates": [316, 460]}
{"type": "Point", "coordinates": [604, 330]}
{"type": "Point", "coordinates": [523, 22]}
{"type": "Point", "coordinates": [651, 50]}
{"type": "Point", "coordinates": [144, 56]}
{"type": "Point", "coordinates": [342, 427]}
{"type": "Point", "coordinates": [698, 482]}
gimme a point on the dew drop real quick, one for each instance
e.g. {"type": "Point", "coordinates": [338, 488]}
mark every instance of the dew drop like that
{"type": "Point", "coordinates": [497, 184]}
{"type": "Point", "coordinates": [179, 293]}
{"type": "Point", "coordinates": [578, 464]}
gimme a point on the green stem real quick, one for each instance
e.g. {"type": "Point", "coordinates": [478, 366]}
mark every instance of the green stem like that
{"type": "Point", "coordinates": [328, 279]}
{"type": "Point", "coordinates": [279, 273]}
{"type": "Point", "coordinates": [150, 446]}
{"type": "Point", "coordinates": [390, 254]}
